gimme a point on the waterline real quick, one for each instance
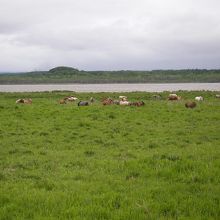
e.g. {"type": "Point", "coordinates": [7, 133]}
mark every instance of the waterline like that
{"type": "Point", "coordinates": [151, 87]}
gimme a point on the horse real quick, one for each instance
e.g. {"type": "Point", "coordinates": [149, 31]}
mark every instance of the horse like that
{"type": "Point", "coordinates": [199, 98]}
{"type": "Point", "coordinates": [123, 98]}
{"type": "Point", "coordinates": [140, 103]}
{"type": "Point", "coordinates": [62, 101]}
{"type": "Point", "coordinates": [24, 101]}
{"type": "Point", "coordinates": [83, 103]}
{"type": "Point", "coordinates": [107, 101]}
{"type": "Point", "coordinates": [173, 97]}
{"type": "Point", "coordinates": [70, 98]}
{"type": "Point", "coordinates": [124, 103]}
{"type": "Point", "coordinates": [190, 104]}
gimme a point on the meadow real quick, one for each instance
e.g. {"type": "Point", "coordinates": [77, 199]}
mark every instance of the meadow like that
{"type": "Point", "coordinates": [159, 161]}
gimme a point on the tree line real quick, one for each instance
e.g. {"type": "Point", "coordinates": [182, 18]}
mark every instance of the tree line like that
{"type": "Point", "coordinates": [73, 75]}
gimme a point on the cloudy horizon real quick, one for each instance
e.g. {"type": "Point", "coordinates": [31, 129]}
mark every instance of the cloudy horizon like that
{"type": "Point", "coordinates": [109, 34]}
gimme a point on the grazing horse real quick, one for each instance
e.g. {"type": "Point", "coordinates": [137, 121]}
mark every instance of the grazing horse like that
{"type": "Point", "coordinates": [83, 103]}
{"type": "Point", "coordinates": [173, 97]}
{"type": "Point", "coordinates": [140, 103]}
{"type": "Point", "coordinates": [190, 104]}
{"type": "Point", "coordinates": [199, 98]}
{"type": "Point", "coordinates": [217, 96]}
{"type": "Point", "coordinates": [62, 101]}
{"type": "Point", "coordinates": [107, 101]}
{"type": "Point", "coordinates": [70, 98]}
{"type": "Point", "coordinates": [27, 101]}
{"type": "Point", "coordinates": [24, 101]}
{"type": "Point", "coordinates": [123, 98]}
{"type": "Point", "coordinates": [124, 103]}
{"type": "Point", "coordinates": [19, 101]}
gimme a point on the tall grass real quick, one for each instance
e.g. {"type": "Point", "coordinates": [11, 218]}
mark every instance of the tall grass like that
{"type": "Point", "coordinates": [160, 161]}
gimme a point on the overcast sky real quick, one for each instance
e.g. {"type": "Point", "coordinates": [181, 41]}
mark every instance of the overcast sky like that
{"type": "Point", "coordinates": [109, 34]}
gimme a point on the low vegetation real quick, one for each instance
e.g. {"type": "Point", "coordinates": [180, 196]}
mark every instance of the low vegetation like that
{"type": "Point", "coordinates": [72, 75]}
{"type": "Point", "coordinates": [158, 161]}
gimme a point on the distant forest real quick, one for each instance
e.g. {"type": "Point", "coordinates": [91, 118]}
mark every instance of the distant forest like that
{"type": "Point", "coordinates": [72, 75]}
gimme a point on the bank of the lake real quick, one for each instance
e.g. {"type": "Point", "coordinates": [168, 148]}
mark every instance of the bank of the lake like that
{"type": "Point", "coordinates": [150, 87]}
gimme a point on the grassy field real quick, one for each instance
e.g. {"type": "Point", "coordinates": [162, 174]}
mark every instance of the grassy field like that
{"type": "Point", "coordinates": [160, 161]}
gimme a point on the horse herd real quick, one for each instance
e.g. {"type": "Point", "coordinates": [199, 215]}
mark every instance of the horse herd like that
{"type": "Point", "coordinates": [123, 100]}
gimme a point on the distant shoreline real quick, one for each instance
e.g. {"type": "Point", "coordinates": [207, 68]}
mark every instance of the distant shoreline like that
{"type": "Point", "coordinates": [68, 75]}
{"type": "Point", "coordinates": [113, 87]}
{"type": "Point", "coordinates": [104, 83]}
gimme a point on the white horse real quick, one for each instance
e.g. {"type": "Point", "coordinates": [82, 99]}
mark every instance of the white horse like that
{"type": "Point", "coordinates": [199, 98]}
{"type": "Point", "coordinates": [71, 98]}
{"type": "Point", "coordinates": [123, 98]}
{"type": "Point", "coordinates": [124, 103]}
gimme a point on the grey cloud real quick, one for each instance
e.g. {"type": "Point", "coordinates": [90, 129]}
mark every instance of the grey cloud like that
{"type": "Point", "coordinates": [110, 34]}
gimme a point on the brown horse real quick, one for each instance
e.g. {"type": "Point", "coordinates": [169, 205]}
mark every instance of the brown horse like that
{"type": "Point", "coordinates": [62, 101]}
{"type": "Point", "coordinates": [140, 103]}
{"type": "Point", "coordinates": [190, 104]}
{"type": "Point", "coordinates": [173, 97]}
{"type": "Point", "coordinates": [107, 101]}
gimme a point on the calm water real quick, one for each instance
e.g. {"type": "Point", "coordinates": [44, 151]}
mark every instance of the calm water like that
{"type": "Point", "coordinates": [112, 87]}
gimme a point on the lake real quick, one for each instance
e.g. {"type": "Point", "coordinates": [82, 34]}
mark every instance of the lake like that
{"type": "Point", "coordinates": [152, 87]}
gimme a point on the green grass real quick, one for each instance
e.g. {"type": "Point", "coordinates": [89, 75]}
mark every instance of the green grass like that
{"type": "Point", "coordinates": [160, 161]}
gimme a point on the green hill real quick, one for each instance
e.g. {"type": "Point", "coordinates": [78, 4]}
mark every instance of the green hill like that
{"type": "Point", "coordinates": [64, 74]}
{"type": "Point", "coordinates": [63, 70]}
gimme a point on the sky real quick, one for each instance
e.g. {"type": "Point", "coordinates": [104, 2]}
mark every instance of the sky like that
{"type": "Point", "coordinates": [109, 34]}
